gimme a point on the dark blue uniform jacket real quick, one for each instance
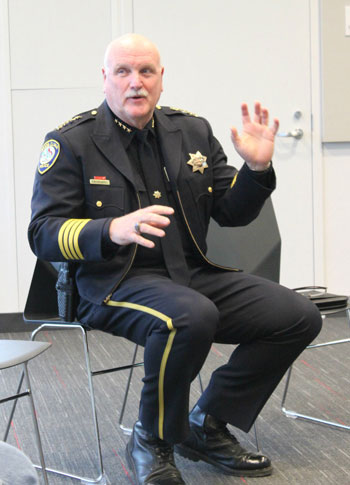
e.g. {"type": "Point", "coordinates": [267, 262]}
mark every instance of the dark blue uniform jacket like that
{"type": "Point", "coordinates": [85, 179]}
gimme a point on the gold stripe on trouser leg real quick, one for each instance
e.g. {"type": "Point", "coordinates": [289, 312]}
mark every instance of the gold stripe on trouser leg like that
{"type": "Point", "coordinates": [169, 323]}
{"type": "Point", "coordinates": [161, 382]}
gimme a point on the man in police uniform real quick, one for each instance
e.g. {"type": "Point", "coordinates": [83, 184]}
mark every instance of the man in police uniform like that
{"type": "Point", "coordinates": [126, 191]}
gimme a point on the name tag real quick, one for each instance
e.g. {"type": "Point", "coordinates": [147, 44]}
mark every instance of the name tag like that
{"type": "Point", "coordinates": [100, 182]}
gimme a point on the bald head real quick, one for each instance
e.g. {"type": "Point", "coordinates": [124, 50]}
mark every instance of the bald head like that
{"type": "Point", "coordinates": [130, 43]}
{"type": "Point", "coordinates": [133, 76]}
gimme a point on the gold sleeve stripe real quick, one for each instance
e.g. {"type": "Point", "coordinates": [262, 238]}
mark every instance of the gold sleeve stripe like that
{"type": "Point", "coordinates": [60, 238]}
{"type": "Point", "coordinates": [65, 238]}
{"type": "Point", "coordinates": [234, 180]}
{"type": "Point", "coordinates": [167, 350]}
{"type": "Point", "coordinates": [68, 238]}
{"type": "Point", "coordinates": [76, 236]}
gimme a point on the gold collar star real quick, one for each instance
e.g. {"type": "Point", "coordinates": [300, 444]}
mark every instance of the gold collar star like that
{"type": "Point", "coordinates": [121, 125]}
{"type": "Point", "coordinates": [157, 194]}
{"type": "Point", "coordinates": [198, 162]}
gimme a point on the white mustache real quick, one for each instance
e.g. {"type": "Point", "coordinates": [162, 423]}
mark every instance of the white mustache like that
{"type": "Point", "coordinates": [140, 92]}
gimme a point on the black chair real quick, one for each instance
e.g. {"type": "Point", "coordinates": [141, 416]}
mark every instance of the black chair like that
{"type": "Point", "coordinates": [12, 354]}
{"type": "Point", "coordinates": [42, 309]}
{"type": "Point", "coordinates": [237, 246]}
{"type": "Point", "coordinates": [289, 413]}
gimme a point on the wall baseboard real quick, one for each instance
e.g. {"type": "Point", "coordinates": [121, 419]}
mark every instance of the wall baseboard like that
{"type": "Point", "coordinates": [13, 322]}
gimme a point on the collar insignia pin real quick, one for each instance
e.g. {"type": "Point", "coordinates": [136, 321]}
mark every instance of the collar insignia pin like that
{"type": "Point", "coordinates": [121, 125]}
{"type": "Point", "coordinates": [157, 194]}
{"type": "Point", "coordinates": [198, 162]}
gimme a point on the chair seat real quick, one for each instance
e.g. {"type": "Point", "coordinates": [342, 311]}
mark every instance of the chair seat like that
{"type": "Point", "coordinates": [333, 311]}
{"type": "Point", "coordinates": [14, 352]}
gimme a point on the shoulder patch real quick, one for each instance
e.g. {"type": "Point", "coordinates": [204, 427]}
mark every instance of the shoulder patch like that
{"type": "Point", "coordinates": [48, 156]}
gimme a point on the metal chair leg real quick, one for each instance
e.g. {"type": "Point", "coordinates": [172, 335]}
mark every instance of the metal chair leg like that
{"type": "Point", "coordinates": [35, 423]}
{"type": "Point", "coordinates": [101, 479]}
{"type": "Point", "coordinates": [289, 413]}
{"type": "Point", "coordinates": [295, 415]}
{"type": "Point", "coordinates": [13, 407]}
{"type": "Point", "coordinates": [125, 429]}
{"type": "Point", "coordinates": [200, 383]}
{"type": "Point", "coordinates": [284, 397]}
{"type": "Point", "coordinates": [255, 428]}
{"type": "Point", "coordinates": [28, 392]}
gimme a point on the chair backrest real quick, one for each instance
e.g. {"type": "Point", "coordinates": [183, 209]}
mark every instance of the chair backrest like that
{"type": "Point", "coordinates": [41, 302]}
{"type": "Point", "coordinates": [255, 248]}
{"type": "Point", "coordinates": [52, 295]}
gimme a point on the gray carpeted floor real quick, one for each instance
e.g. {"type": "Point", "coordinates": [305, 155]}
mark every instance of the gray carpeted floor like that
{"type": "Point", "coordinates": [301, 452]}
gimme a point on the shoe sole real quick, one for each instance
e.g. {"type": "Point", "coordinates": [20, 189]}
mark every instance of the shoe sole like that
{"type": "Point", "coordinates": [194, 455]}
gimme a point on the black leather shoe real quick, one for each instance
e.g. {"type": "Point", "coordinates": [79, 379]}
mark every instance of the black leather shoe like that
{"type": "Point", "coordinates": [151, 459]}
{"type": "Point", "coordinates": [211, 441]}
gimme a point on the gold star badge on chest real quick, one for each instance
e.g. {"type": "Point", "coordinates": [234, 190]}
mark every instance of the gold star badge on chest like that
{"type": "Point", "coordinates": [198, 162]}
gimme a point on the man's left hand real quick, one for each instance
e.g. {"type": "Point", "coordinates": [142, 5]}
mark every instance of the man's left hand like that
{"type": "Point", "coordinates": [256, 143]}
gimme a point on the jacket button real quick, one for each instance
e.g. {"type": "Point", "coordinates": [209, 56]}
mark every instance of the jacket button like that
{"type": "Point", "coordinates": [99, 203]}
{"type": "Point", "coordinates": [210, 189]}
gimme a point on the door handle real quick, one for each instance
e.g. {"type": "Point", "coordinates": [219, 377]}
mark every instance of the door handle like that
{"type": "Point", "coordinates": [297, 133]}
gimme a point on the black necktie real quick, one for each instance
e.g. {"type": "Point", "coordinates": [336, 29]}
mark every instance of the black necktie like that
{"type": "Point", "coordinates": [171, 243]}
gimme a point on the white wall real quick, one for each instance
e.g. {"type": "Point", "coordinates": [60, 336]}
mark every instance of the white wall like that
{"type": "Point", "coordinates": [42, 85]}
{"type": "Point", "coordinates": [8, 249]}
{"type": "Point", "coordinates": [51, 55]}
{"type": "Point", "coordinates": [336, 158]}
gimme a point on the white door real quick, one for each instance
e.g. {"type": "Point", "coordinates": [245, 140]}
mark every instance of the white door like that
{"type": "Point", "coordinates": [219, 54]}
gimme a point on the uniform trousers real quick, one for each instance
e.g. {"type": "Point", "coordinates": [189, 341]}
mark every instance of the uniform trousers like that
{"type": "Point", "coordinates": [269, 325]}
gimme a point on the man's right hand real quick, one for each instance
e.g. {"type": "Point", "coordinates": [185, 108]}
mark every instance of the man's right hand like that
{"type": "Point", "coordinates": [150, 220]}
